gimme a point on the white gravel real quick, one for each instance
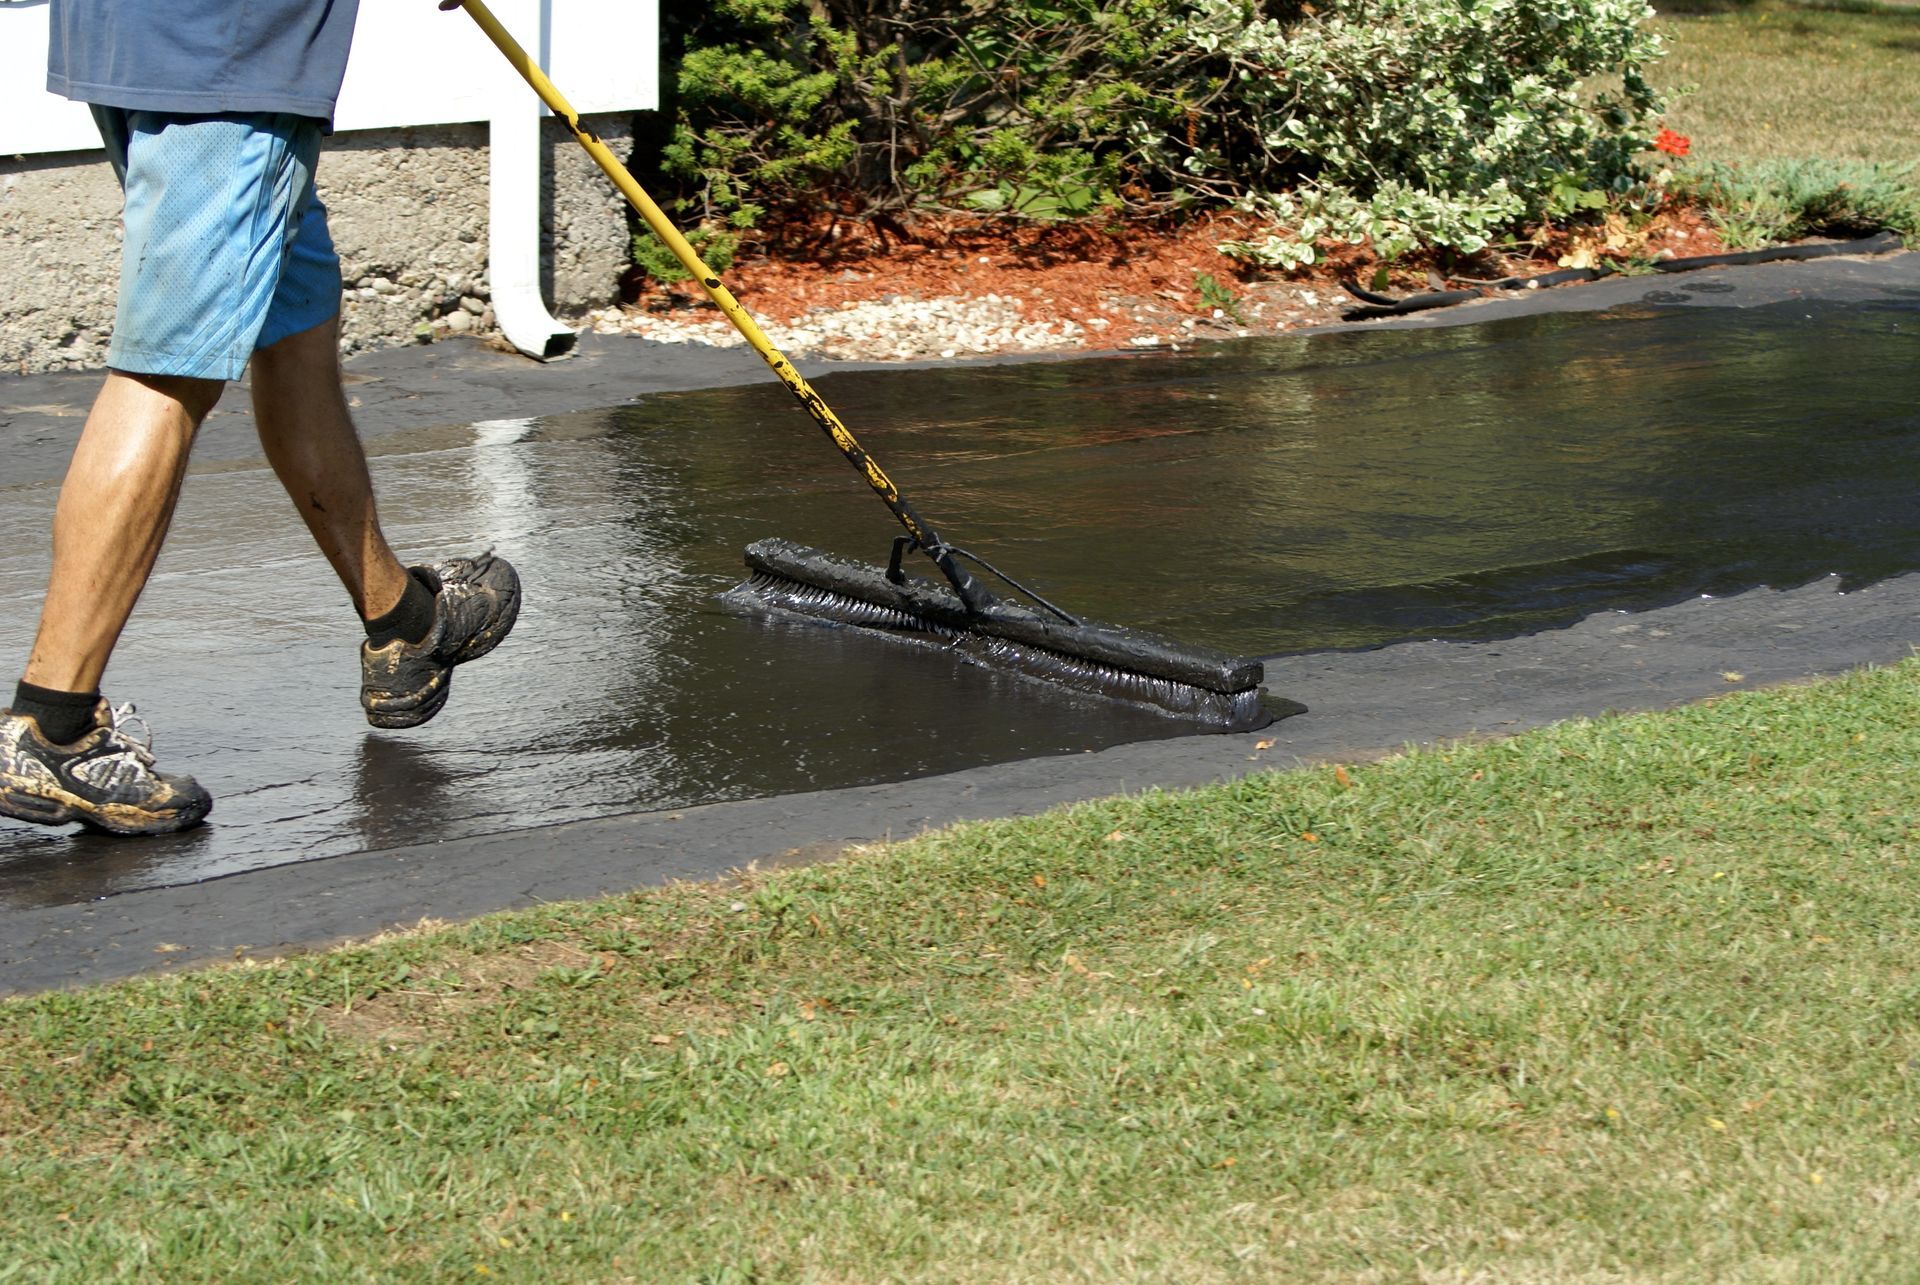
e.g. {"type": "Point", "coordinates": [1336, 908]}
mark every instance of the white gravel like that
{"type": "Point", "coordinates": [895, 327]}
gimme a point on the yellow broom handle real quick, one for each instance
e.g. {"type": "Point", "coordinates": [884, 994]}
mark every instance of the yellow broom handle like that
{"type": "Point", "coordinates": [709, 281]}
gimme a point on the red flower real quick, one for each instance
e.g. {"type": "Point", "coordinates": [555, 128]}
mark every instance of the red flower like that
{"type": "Point", "coordinates": [1671, 143]}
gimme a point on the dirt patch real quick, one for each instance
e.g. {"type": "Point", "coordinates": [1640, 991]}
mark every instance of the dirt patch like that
{"type": "Point", "coordinates": [435, 1005]}
{"type": "Point", "coordinates": [422, 1009]}
{"type": "Point", "coordinates": [429, 1006]}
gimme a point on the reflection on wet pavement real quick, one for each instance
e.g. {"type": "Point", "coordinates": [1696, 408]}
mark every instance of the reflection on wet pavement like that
{"type": "Point", "coordinates": [1268, 496]}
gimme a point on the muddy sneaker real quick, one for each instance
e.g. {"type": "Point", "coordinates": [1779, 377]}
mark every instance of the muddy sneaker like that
{"type": "Point", "coordinates": [106, 779]}
{"type": "Point", "coordinates": [476, 601]}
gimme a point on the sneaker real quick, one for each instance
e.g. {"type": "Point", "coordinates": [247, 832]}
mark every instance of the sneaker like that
{"type": "Point", "coordinates": [106, 779]}
{"type": "Point", "coordinates": [475, 603]}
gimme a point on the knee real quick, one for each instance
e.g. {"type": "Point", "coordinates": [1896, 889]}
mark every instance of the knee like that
{"type": "Point", "coordinates": [195, 397]}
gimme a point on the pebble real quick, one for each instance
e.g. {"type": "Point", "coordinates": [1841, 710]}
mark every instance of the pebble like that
{"type": "Point", "coordinates": [896, 328]}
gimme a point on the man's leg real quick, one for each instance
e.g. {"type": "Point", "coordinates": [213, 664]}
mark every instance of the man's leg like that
{"type": "Point", "coordinates": [113, 514]}
{"type": "Point", "coordinates": [420, 623]}
{"type": "Point", "coordinates": [63, 754]}
{"type": "Point", "coordinates": [309, 439]}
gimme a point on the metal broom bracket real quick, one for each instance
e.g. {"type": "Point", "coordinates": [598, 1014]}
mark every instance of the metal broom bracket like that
{"type": "Point", "coordinates": [895, 575]}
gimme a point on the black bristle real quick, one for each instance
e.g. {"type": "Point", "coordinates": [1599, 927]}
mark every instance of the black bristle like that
{"type": "Point", "coordinates": [1238, 710]}
{"type": "Point", "coordinates": [825, 604]}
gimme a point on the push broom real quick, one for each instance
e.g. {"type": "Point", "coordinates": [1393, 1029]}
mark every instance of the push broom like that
{"type": "Point", "coordinates": [1210, 688]}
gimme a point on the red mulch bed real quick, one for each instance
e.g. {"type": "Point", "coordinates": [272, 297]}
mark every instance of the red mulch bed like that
{"type": "Point", "coordinates": [1143, 279]}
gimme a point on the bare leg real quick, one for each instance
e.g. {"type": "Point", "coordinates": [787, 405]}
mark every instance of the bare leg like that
{"type": "Point", "coordinates": [114, 510]}
{"type": "Point", "coordinates": [309, 439]}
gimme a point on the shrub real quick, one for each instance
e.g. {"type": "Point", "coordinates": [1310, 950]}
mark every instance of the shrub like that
{"type": "Point", "coordinates": [1437, 122]}
{"type": "Point", "coordinates": [865, 108]}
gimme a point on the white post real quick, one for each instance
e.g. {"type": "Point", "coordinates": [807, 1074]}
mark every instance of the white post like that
{"type": "Point", "coordinates": [513, 204]}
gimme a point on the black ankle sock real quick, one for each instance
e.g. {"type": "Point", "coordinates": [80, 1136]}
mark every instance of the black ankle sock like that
{"type": "Point", "coordinates": [411, 618]}
{"type": "Point", "coordinates": [64, 717]}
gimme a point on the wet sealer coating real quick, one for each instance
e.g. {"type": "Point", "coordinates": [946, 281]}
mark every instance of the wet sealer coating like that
{"type": "Point", "coordinates": [1264, 498]}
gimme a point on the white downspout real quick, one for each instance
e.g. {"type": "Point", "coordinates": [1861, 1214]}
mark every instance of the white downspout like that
{"type": "Point", "coordinates": [513, 203]}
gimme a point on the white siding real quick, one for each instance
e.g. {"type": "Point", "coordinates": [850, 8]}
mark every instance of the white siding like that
{"type": "Point", "coordinates": [412, 64]}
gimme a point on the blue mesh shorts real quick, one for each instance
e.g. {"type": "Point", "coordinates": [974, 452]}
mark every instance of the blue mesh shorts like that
{"type": "Point", "coordinates": [226, 246]}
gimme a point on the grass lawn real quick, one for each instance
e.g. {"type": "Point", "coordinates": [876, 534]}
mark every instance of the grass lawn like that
{"type": "Point", "coordinates": [1783, 82]}
{"type": "Point", "coordinates": [1635, 998]}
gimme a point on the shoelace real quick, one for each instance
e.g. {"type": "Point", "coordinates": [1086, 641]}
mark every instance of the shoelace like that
{"type": "Point", "coordinates": [120, 736]}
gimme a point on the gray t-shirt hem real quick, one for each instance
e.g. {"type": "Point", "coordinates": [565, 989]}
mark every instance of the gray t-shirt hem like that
{"type": "Point", "coordinates": [210, 103]}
